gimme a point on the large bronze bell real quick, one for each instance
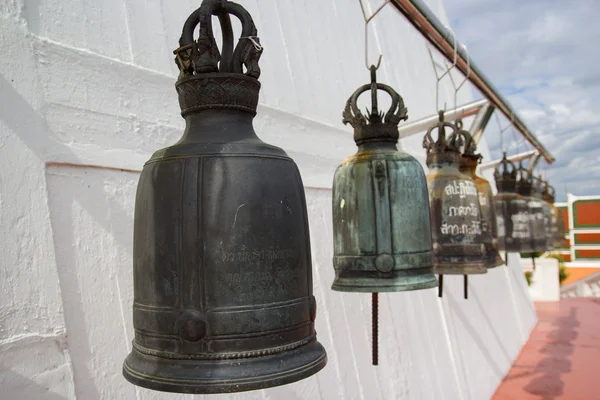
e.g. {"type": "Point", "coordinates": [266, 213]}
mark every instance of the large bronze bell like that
{"type": "Point", "coordinates": [458, 246]}
{"type": "Point", "coordinates": [223, 298]}
{"type": "Point", "coordinates": [489, 230]}
{"type": "Point", "coordinates": [512, 213]}
{"type": "Point", "coordinates": [381, 227]}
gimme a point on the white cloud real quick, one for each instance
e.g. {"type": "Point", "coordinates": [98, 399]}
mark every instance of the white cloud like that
{"type": "Point", "coordinates": [542, 56]}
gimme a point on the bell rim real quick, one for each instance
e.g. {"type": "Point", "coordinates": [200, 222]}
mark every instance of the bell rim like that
{"type": "Point", "coordinates": [465, 268]}
{"type": "Point", "coordinates": [429, 284]}
{"type": "Point", "coordinates": [226, 383]}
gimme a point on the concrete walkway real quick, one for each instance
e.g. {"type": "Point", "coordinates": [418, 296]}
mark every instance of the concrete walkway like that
{"type": "Point", "coordinates": [561, 360]}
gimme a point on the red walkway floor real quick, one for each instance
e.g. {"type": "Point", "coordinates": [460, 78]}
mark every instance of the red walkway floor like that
{"type": "Point", "coordinates": [561, 360]}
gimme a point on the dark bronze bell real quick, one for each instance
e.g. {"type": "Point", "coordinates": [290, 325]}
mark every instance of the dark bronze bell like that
{"type": "Point", "coordinates": [512, 212]}
{"type": "Point", "coordinates": [223, 298]}
{"type": "Point", "coordinates": [538, 193]}
{"type": "Point", "coordinates": [458, 246]}
{"type": "Point", "coordinates": [536, 227]}
{"type": "Point", "coordinates": [537, 217]}
{"type": "Point", "coordinates": [489, 230]}
{"type": "Point", "coordinates": [558, 240]}
{"type": "Point", "coordinates": [381, 227]}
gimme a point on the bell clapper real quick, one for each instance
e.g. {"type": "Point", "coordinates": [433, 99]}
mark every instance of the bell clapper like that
{"type": "Point", "coordinates": [533, 261]}
{"type": "Point", "coordinates": [466, 286]}
{"type": "Point", "coordinates": [374, 312]}
{"type": "Point", "coordinates": [441, 286]}
{"type": "Point", "coordinates": [506, 258]}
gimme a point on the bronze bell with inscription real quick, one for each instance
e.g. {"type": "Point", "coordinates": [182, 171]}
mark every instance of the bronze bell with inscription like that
{"type": "Point", "coordinates": [489, 229]}
{"type": "Point", "coordinates": [458, 244]}
{"type": "Point", "coordinates": [512, 213]}
{"type": "Point", "coordinates": [223, 291]}
{"type": "Point", "coordinates": [381, 226]}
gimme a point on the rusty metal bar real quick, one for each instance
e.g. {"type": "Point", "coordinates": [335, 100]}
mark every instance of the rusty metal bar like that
{"type": "Point", "coordinates": [423, 19]}
{"type": "Point", "coordinates": [480, 122]}
{"type": "Point", "coordinates": [516, 158]}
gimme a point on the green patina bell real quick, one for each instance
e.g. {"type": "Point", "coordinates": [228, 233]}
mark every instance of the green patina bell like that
{"type": "Point", "coordinates": [381, 227]}
{"type": "Point", "coordinates": [514, 232]}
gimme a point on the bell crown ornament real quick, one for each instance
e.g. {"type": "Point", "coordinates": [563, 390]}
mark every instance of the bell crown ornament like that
{"type": "Point", "coordinates": [525, 181]}
{"type": "Point", "coordinates": [222, 275]}
{"type": "Point", "coordinates": [470, 158]}
{"type": "Point", "coordinates": [505, 175]}
{"type": "Point", "coordinates": [446, 148]}
{"type": "Point", "coordinates": [470, 146]}
{"type": "Point", "coordinates": [376, 126]}
{"type": "Point", "coordinates": [202, 56]}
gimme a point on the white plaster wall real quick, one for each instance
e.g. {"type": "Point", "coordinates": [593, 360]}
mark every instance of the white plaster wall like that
{"type": "Point", "coordinates": [86, 95]}
{"type": "Point", "coordinates": [545, 285]}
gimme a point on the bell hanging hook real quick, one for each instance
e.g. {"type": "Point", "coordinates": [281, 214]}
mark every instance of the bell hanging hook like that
{"type": "Point", "coordinates": [467, 75]}
{"type": "Point", "coordinates": [367, 21]}
{"type": "Point", "coordinates": [446, 72]}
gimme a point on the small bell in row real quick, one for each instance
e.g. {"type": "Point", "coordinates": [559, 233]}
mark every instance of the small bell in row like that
{"type": "Point", "coordinates": [548, 225]}
{"type": "Point", "coordinates": [381, 227]}
{"type": "Point", "coordinates": [489, 230]}
{"type": "Point", "coordinates": [557, 225]}
{"type": "Point", "coordinates": [458, 246]}
{"type": "Point", "coordinates": [512, 212]}
{"type": "Point", "coordinates": [536, 211]}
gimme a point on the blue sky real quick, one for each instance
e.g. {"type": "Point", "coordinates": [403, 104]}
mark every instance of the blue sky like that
{"type": "Point", "coordinates": [544, 57]}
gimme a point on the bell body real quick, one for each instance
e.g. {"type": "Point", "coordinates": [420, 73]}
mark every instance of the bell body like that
{"type": "Point", "coordinates": [223, 298]}
{"type": "Point", "coordinates": [513, 217]}
{"type": "Point", "coordinates": [381, 227]}
{"type": "Point", "coordinates": [562, 230]}
{"type": "Point", "coordinates": [548, 225]}
{"type": "Point", "coordinates": [489, 228]}
{"type": "Point", "coordinates": [455, 217]}
{"type": "Point", "coordinates": [539, 217]}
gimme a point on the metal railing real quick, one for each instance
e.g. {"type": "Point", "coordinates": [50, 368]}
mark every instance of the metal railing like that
{"type": "Point", "coordinates": [423, 19]}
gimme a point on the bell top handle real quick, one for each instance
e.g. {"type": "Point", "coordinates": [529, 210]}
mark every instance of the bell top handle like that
{"type": "Point", "coordinates": [396, 113]}
{"type": "Point", "coordinates": [443, 142]}
{"type": "Point", "coordinates": [203, 56]}
{"type": "Point", "coordinates": [470, 146]}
